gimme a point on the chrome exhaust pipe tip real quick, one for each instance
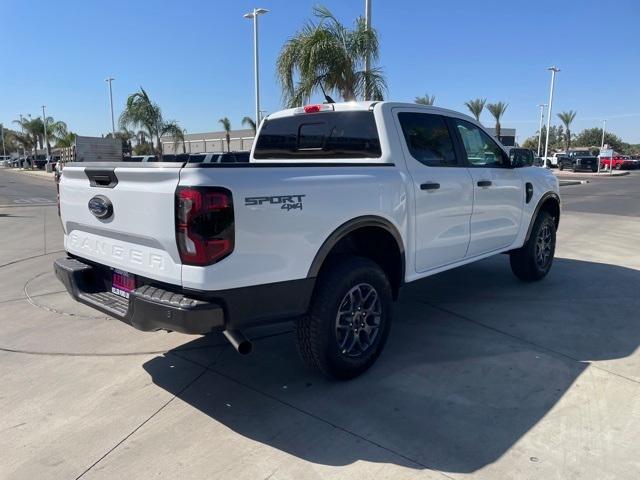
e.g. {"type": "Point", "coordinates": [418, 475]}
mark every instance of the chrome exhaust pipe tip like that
{"type": "Point", "coordinates": [242, 345]}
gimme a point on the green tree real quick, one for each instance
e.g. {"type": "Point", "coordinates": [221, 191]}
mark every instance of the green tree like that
{"type": "Point", "coordinates": [592, 137]}
{"type": "Point", "coordinates": [249, 122]}
{"type": "Point", "coordinates": [476, 106]}
{"type": "Point", "coordinates": [426, 100]}
{"type": "Point", "coordinates": [497, 110]}
{"type": "Point", "coordinates": [226, 126]}
{"type": "Point", "coordinates": [329, 56]}
{"type": "Point", "coordinates": [141, 112]}
{"type": "Point", "coordinates": [30, 134]}
{"type": "Point", "coordinates": [66, 140]}
{"type": "Point", "coordinates": [567, 118]}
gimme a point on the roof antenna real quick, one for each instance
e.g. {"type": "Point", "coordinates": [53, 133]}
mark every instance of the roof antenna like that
{"type": "Point", "coordinates": [327, 98]}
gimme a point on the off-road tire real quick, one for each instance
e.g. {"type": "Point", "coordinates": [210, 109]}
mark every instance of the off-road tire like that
{"type": "Point", "coordinates": [316, 332]}
{"type": "Point", "coordinates": [525, 262]}
{"type": "Point", "coordinates": [560, 166]}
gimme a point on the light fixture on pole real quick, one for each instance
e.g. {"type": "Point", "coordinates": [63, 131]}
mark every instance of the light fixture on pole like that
{"type": "Point", "coordinates": [542, 105]}
{"type": "Point", "coordinates": [46, 140]}
{"type": "Point", "coordinates": [367, 59]}
{"type": "Point", "coordinates": [254, 16]}
{"type": "Point", "coordinates": [113, 123]}
{"type": "Point", "coordinates": [554, 70]}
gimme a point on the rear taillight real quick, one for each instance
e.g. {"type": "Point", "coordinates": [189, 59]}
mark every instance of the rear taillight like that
{"type": "Point", "coordinates": [204, 224]}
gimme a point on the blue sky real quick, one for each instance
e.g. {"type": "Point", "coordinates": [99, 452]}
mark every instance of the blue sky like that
{"type": "Point", "coordinates": [195, 57]}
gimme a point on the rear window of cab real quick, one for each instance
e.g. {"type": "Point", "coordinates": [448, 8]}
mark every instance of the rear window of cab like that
{"type": "Point", "coordinates": [323, 135]}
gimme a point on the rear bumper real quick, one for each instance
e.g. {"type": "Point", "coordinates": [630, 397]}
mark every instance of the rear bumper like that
{"type": "Point", "coordinates": [148, 308]}
{"type": "Point", "coordinates": [168, 307]}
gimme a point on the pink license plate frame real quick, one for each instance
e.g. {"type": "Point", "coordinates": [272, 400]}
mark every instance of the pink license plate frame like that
{"type": "Point", "coordinates": [122, 283]}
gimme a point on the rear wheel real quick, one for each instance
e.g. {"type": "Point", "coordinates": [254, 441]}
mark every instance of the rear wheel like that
{"type": "Point", "coordinates": [349, 318]}
{"type": "Point", "coordinates": [533, 261]}
{"type": "Point", "coordinates": [561, 166]}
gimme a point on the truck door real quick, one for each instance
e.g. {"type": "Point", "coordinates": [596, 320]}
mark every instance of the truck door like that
{"type": "Point", "coordinates": [443, 192]}
{"type": "Point", "coordinates": [498, 190]}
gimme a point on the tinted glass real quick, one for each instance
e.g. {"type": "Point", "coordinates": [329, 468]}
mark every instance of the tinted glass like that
{"type": "Point", "coordinates": [428, 139]}
{"type": "Point", "coordinates": [227, 158]}
{"type": "Point", "coordinates": [482, 150]}
{"type": "Point", "coordinates": [242, 157]}
{"type": "Point", "coordinates": [196, 158]}
{"type": "Point", "coordinates": [319, 135]}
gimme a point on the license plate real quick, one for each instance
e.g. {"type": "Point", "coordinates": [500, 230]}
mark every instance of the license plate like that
{"type": "Point", "coordinates": [122, 283]}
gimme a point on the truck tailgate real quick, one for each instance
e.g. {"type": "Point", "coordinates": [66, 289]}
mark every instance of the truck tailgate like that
{"type": "Point", "coordinates": [138, 236]}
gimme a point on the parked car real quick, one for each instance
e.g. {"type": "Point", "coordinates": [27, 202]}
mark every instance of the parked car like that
{"type": "Point", "coordinates": [576, 160]}
{"type": "Point", "coordinates": [618, 162]}
{"type": "Point", "coordinates": [552, 161]}
{"type": "Point", "coordinates": [339, 206]}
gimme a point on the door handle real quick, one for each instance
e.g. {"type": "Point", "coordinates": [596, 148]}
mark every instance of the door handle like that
{"type": "Point", "coordinates": [429, 186]}
{"type": "Point", "coordinates": [484, 183]}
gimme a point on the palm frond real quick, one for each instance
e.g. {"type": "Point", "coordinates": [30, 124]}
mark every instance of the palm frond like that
{"type": "Point", "coordinates": [476, 106]}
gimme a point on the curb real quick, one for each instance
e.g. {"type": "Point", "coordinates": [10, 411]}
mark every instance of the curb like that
{"type": "Point", "coordinates": [566, 183]}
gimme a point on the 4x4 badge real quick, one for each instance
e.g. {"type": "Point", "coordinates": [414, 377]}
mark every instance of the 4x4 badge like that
{"type": "Point", "coordinates": [286, 202]}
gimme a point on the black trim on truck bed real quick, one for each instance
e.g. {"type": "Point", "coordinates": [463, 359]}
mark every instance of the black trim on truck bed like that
{"type": "Point", "coordinates": [156, 306]}
{"type": "Point", "coordinates": [265, 164]}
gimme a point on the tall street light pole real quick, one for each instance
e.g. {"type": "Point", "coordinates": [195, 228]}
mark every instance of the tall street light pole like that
{"type": "Point", "coordinates": [4, 150]}
{"type": "Point", "coordinates": [113, 123]}
{"type": "Point", "coordinates": [367, 60]}
{"type": "Point", "coordinates": [46, 140]}
{"type": "Point", "coordinates": [254, 16]}
{"type": "Point", "coordinates": [554, 70]}
{"type": "Point", "coordinates": [542, 105]}
{"type": "Point", "coordinates": [604, 127]}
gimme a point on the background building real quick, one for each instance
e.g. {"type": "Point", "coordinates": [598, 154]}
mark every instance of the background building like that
{"type": "Point", "coordinates": [209, 142]}
{"type": "Point", "coordinates": [507, 136]}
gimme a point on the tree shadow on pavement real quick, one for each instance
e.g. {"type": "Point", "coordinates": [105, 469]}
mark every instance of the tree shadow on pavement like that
{"type": "Point", "coordinates": [475, 359]}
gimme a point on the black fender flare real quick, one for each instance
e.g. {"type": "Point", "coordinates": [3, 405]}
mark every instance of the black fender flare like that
{"type": "Point", "coordinates": [543, 199]}
{"type": "Point", "coordinates": [351, 226]}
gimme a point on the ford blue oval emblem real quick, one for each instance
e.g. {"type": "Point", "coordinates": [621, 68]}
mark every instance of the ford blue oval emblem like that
{"type": "Point", "coordinates": [101, 207]}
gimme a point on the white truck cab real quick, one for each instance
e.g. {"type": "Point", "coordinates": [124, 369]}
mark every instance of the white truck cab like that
{"type": "Point", "coordinates": [338, 207]}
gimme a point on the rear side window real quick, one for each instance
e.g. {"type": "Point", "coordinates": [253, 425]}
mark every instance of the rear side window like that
{"type": "Point", "coordinates": [319, 136]}
{"type": "Point", "coordinates": [428, 139]}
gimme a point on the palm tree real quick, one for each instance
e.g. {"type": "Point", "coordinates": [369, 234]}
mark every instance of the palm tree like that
{"type": "Point", "coordinates": [567, 118]}
{"type": "Point", "coordinates": [328, 56]}
{"type": "Point", "coordinates": [31, 135]}
{"type": "Point", "coordinates": [426, 100]}
{"type": "Point", "coordinates": [476, 106]}
{"type": "Point", "coordinates": [249, 122]}
{"type": "Point", "coordinates": [497, 110]}
{"type": "Point", "coordinates": [175, 133]}
{"type": "Point", "coordinates": [141, 112]}
{"type": "Point", "coordinates": [226, 126]}
{"type": "Point", "coordinates": [66, 140]}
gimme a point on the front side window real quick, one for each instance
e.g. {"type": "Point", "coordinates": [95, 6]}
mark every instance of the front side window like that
{"type": "Point", "coordinates": [428, 139]}
{"type": "Point", "coordinates": [482, 150]}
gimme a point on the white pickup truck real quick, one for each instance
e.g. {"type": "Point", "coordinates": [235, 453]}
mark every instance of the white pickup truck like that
{"type": "Point", "coordinates": [340, 205]}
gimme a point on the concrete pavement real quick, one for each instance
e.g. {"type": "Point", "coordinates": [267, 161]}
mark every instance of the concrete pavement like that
{"type": "Point", "coordinates": [483, 376]}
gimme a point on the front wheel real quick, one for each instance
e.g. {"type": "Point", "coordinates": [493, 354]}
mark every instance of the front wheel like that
{"type": "Point", "coordinates": [533, 261]}
{"type": "Point", "coordinates": [349, 318]}
{"type": "Point", "coordinates": [561, 166]}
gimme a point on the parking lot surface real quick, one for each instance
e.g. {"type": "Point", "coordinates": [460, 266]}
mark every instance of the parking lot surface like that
{"type": "Point", "coordinates": [483, 376]}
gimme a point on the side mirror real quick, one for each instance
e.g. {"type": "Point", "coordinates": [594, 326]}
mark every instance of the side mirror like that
{"type": "Point", "coordinates": [520, 157]}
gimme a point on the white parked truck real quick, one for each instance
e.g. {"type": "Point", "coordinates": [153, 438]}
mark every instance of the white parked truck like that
{"type": "Point", "coordinates": [340, 205]}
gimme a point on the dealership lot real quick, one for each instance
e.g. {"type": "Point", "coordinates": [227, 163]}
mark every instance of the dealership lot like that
{"type": "Point", "coordinates": [483, 377]}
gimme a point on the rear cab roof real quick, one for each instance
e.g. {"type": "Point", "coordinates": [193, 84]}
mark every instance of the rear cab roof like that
{"type": "Point", "coordinates": [382, 112]}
